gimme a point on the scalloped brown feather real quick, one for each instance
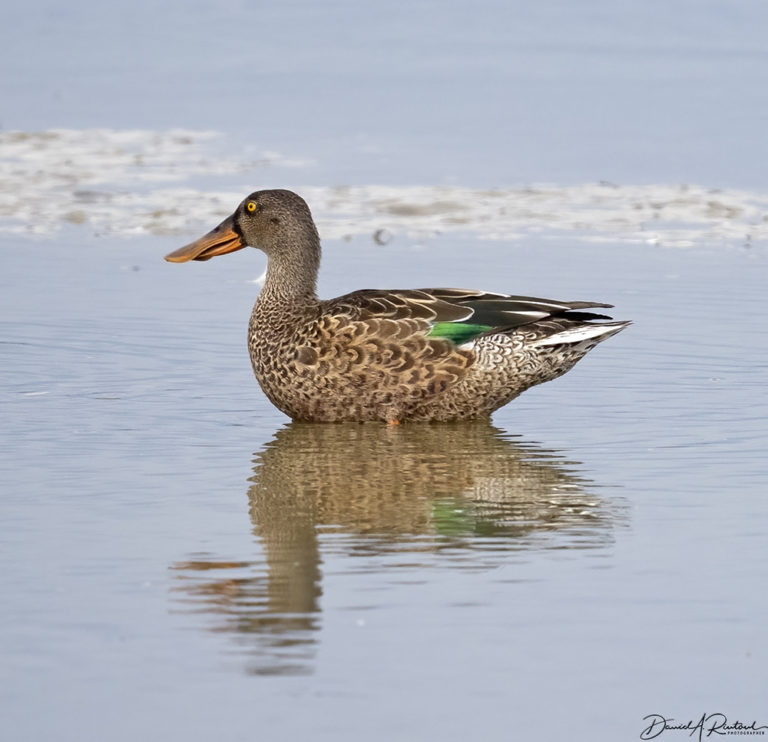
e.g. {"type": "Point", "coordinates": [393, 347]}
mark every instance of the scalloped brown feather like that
{"type": "Point", "coordinates": [362, 357]}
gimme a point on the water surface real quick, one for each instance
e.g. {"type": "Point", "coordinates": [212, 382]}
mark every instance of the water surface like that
{"type": "Point", "coordinates": [185, 558]}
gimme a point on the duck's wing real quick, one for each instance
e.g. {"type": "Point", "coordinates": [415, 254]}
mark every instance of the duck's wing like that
{"type": "Point", "coordinates": [457, 315]}
{"type": "Point", "coordinates": [505, 312]}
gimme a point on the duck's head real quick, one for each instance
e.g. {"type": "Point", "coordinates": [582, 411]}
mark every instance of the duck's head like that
{"type": "Point", "coordinates": [273, 221]}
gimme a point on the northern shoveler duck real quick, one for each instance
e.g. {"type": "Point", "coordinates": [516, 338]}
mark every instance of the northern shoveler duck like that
{"type": "Point", "coordinates": [392, 356]}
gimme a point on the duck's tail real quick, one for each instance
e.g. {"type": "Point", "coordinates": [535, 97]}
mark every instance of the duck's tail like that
{"type": "Point", "coordinates": [582, 333]}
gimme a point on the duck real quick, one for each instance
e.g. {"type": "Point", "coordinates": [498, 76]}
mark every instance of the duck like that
{"type": "Point", "coordinates": [389, 356]}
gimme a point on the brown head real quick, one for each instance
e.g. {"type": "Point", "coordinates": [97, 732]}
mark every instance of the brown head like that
{"type": "Point", "coordinates": [278, 222]}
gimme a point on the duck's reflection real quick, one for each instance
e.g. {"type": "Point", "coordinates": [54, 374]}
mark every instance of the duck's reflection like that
{"type": "Point", "coordinates": [461, 495]}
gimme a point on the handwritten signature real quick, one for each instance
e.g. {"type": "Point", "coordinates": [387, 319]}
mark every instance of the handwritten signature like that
{"type": "Point", "coordinates": [708, 725]}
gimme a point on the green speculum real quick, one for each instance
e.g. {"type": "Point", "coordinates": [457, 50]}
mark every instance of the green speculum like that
{"type": "Point", "coordinates": [458, 332]}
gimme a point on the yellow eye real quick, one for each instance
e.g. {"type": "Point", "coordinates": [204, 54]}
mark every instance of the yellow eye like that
{"type": "Point", "coordinates": [251, 206]}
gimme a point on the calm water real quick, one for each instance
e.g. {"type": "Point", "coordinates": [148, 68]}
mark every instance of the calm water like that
{"type": "Point", "coordinates": [181, 562]}
{"type": "Point", "coordinates": [182, 559]}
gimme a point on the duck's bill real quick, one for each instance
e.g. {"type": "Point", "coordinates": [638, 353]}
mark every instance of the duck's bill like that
{"type": "Point", "coordinates": [218, 241]}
